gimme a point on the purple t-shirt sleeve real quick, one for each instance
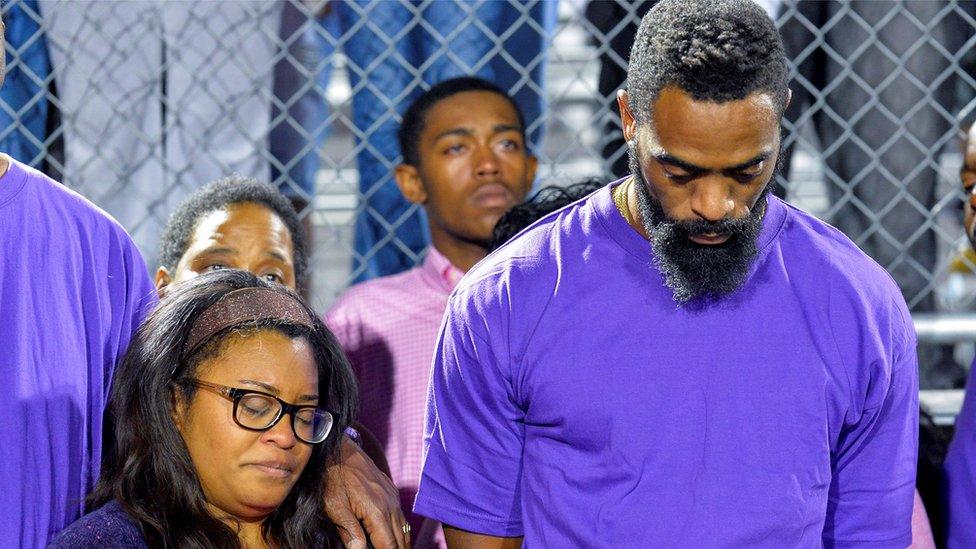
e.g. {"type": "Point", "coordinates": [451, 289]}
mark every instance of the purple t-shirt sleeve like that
{"type": "Point", "coordinates": [872, 490]}
{"type": "Point", "coordinates": [960, 469]}
{"type": "Point", "coordinates": [70, 305]}
{"type": "Point", "coordinates": [134, 297]}
{"type": "Point", "coordinates": [473, 483]}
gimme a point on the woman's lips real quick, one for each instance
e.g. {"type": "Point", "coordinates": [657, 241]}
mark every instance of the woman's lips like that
{"type": "Point", "coordinates": [275, 469]}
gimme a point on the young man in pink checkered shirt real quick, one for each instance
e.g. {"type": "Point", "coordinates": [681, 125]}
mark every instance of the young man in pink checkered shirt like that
{"type": "Point", "coordinates": [466, 163]}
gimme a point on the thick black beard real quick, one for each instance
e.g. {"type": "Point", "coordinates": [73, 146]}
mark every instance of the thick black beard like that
{"type": "Point", "coordinates": [696, 272]}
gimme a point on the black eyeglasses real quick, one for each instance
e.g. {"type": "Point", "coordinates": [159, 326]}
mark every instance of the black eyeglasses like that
{"type": "Point", "coordinates": [257, 411]}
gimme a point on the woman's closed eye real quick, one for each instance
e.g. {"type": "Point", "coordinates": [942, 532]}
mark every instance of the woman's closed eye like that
{"type": "Point", "coordinates": [255, 407]}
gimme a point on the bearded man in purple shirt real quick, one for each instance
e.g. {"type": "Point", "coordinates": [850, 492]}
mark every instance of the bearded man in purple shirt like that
{"type": "Point", "coordinates": [681, 358]}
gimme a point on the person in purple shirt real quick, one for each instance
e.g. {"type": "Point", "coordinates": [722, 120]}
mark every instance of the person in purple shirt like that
{"type": "Point", "coordinates": [73, 289]}
{"type": "Point", "coordinates": [680, 359]}
{"type": "Point", "coordinates": [960, 463]}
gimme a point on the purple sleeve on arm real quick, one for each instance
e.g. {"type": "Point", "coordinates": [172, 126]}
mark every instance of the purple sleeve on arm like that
{"type": "Point", "coordinates": [136, 295]}
{"type": "Point", "coordinates": [872, 491]}
{"type": "Point", "coordinates": [960, 470]}
{"type": "Point", "coordinates": [474, 433]}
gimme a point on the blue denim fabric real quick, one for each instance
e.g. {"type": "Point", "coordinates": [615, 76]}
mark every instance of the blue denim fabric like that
{"type": "Point", "coordinates": [299, 112]}
{"type": "Point", "coordinates": [23, 99]}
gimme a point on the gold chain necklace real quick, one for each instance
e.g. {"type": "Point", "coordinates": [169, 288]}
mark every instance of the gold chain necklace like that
{"type": "Point", "coordinates": [620, 198]}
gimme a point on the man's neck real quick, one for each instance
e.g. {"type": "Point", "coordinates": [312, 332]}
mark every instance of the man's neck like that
{"type": "Point", "coordinates": [4, 164]}
{"type": "Point", "coordinates": [628, 205]}
{"type": "Point", "coordinates": [461, 254]}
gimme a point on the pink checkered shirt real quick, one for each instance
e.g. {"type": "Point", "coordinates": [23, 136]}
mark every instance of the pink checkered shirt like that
{"type": "Point", "coordinates": [388, 327]}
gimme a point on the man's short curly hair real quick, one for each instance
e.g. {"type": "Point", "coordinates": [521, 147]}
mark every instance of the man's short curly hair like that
{"type": "Point", "coordinates": [415, 118]}
{"type": "Point", "coordinates": [713, 50]}
{"type": "Point", "coordinates": [218, 195]}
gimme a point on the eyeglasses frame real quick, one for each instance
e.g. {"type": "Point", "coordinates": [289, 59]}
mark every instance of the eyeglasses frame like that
{"type": "Point", "coordinates": [235, 394]}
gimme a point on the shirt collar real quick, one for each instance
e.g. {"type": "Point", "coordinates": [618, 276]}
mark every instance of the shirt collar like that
{"type": "Point", "coordinates": [441, 270]}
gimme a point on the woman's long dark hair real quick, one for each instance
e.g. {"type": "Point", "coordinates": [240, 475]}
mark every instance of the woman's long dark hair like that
{"type": "Point", "coordinates": [147, 467]}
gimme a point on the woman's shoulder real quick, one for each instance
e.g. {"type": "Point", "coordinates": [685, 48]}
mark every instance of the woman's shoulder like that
{"type": "Point", "coordinates": [108, 526]}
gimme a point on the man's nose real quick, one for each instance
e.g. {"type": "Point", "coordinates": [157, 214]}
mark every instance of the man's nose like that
{"type": "Point", "coordinates": [486, 162]}
{"type": "Point", "coordinates": [711, 200]}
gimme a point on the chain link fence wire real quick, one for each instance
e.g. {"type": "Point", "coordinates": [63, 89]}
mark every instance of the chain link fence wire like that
{"type": "Point", "coordinates": [136, 103]}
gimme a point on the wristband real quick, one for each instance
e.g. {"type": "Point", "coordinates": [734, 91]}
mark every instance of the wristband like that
{"type": "Point", "coordinates": [353, 435]}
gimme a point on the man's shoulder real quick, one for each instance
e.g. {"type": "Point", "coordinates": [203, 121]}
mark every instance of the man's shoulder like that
{"type": "Point", "coordinates": [367, 292]}
{"type": "Point", "coordinates": [825, 251]}
{"type": "Point", "coordinates": [45, 194]}
{"type": "Point", "coordinates": [107, 526]}
{"type": "Point", "coordinates": [855, 293]}
{"type": "Point", "coordinates": [359, 302]}
{"type": "Point", "coordinates": [542, 249]}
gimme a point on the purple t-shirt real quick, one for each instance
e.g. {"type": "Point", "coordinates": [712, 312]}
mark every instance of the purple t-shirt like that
{"type": "Point", "coordinates": [73, 289]}
{"type": "Point", "coordinates": [960, 470]}
{"type": "Point", "coordinates": [574, 403]}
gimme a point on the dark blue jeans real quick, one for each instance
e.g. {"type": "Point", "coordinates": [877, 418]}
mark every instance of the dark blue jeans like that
{"type": "Point", "coordinates": [397, 49]}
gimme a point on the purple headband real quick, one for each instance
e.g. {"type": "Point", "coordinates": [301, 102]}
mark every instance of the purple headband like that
{"type": "Point", "coordinates": [245, 305]}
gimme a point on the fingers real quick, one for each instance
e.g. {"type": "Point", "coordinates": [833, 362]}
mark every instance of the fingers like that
{"type": "Point", "coordinates": [402, 530]}
{"type": "Point", "coordinates": [404, 537]}
{"type": "Point", "coordinates": [368, 495]}
{"type": "Point", "coordinates": [383, 532]}
{"type": "Point", "coordinates": [350, 532]}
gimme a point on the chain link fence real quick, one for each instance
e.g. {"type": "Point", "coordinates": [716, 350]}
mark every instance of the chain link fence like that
{"type": "Point", "coordinates": [137, 103]}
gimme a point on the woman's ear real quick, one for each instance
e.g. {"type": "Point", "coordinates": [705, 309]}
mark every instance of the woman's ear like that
{"type": "Point", "coordinates": [179, 406]}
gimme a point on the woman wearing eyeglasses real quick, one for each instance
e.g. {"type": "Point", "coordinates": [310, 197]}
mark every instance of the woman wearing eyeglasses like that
{"type": "Point", "coordinates": [227, 405]}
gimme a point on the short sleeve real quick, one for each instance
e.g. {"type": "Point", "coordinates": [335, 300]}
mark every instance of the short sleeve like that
{"type": "Point", "coordinates": [474, 430]}
{"type": "Point", "coordinates": [872, 490]}
{"type": "Point", "coordinates": [133, 297]}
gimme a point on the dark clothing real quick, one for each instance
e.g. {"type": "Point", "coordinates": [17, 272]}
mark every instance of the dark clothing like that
{"type": "Point", "coordinates": [109, 526]}
{"type": "Point", "coordinates": [614, 40]}
{"type": "Point", "coordinates": [879, 113]}
{"type": "Point", "coordinates": [874, 82]}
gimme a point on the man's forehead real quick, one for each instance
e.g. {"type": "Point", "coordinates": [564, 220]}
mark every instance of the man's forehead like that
{"type": "Point", "coordinates": [737, 131]}
{"type": "Point", "coordinates": [464, 110]}
{"type": "Point", "coordinates": [674, 105]}
{"type": "Point", "coordinates": [233, 219]}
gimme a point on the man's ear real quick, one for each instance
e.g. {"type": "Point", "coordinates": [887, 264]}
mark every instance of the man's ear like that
{"type": "Point", "coordinates": [163, 279]}
{"type": "Point", "coordinates": [627, 120]}
{"type": "Point", "coordinates": [408, 179]}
